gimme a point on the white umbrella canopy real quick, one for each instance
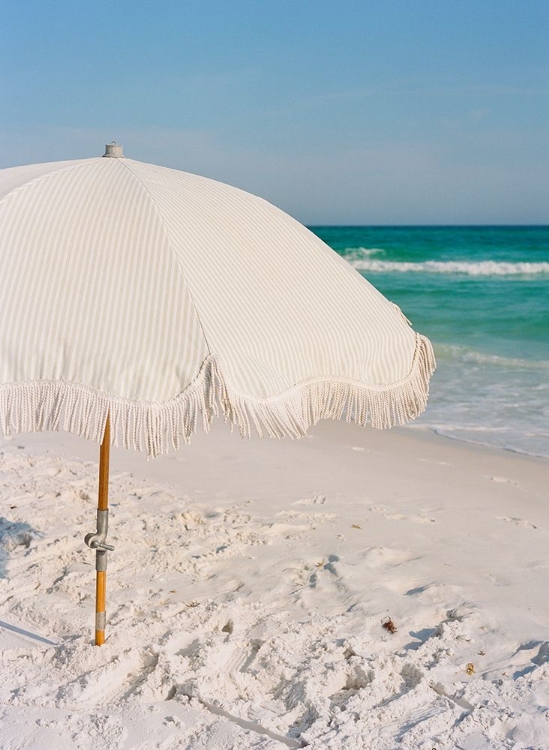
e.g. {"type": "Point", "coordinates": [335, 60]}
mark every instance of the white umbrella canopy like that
{"type": "Point", "coordinates": [161, 297]}
{"type": "Point", "coordinates": [138, 301]}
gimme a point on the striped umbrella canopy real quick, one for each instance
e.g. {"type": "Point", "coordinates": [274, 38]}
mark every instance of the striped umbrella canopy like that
{"type": "Point", "coordinates": [149, 300]}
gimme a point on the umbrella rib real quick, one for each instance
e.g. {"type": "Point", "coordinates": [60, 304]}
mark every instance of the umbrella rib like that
{"type": "Point", "coordinates": [162, 222]}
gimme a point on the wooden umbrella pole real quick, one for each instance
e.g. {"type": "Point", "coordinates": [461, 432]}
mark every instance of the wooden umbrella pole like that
{"type": "Point", "coordinates": [101, 554]}
{"type": "Point", "coordinates": [97, 541]}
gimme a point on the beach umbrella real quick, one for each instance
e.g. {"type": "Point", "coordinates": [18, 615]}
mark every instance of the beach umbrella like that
{"type": "Point", "coordinates": [138, 302]}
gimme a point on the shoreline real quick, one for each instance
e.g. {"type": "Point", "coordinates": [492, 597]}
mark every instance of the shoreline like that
{"type": "Point", "coordinates": [69, 444]}
{"type": "Point", "coordinates": [508, 449]}
{"type": "Point", "coordinates": [434, 431]}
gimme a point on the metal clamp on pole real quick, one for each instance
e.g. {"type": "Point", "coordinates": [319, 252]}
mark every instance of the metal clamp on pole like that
{"type": "Point", "coordinates": [97, 541]}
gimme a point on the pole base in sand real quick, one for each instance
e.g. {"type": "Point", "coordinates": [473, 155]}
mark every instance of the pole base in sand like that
{"type": "Point", "coordinates": [100, 615]}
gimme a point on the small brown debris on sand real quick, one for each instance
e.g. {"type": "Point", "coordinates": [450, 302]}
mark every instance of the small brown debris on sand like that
{"type": "Point", "coordinates": [389, 625]}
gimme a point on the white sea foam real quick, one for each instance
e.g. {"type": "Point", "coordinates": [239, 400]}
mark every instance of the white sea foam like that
{"type": "Point", "coordinates": [449, 351]}
{"type": "Point", "coordinates": [534, 444]}
{"type": "Point", "coordinates": [481, 268]}
{"type": "Point", "coordinates": [357, 253]}
{"type": "Point", "coordinates": [482, 398]}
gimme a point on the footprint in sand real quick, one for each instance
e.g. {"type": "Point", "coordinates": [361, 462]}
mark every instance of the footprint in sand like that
{"type": "Point", "coordinates": [52, 471]}
{"type": "Point", "coordinates": [415, 519]}
{"type": "Point", "coordinates": [314, 500]}
{"type": "Point", "coordinates": [503, 480]}
{"type": "Point", "coordinates": [308, 573]}
{"type": "Point", "coordinates": [528, 657]}
{"type": "Point", "coordinates": [495, 579]}
{"type": "Point", "coordinates": [383, 511]}
{"type": "Point", "coordinates": [380, 558]}
{"type": "Point", "coordinates": [286, 530]}
{"type": "Point", "coordinates": [436, 593]}
{"type": "Point", "coordinates": [518, 522]}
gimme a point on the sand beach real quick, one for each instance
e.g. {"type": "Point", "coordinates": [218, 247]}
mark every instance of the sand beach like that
{"type": "Point", "coordinates": [274, 213]}
{"type": "Point", "coordinates": [354, 589]}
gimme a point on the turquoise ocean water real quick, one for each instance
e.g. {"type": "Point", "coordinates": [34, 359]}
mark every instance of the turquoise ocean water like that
{"type": "Point", "coordinates": [481, 294]}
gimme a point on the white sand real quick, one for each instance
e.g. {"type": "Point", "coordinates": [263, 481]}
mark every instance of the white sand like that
{"type": "Point", "coordinates": [248, 589]}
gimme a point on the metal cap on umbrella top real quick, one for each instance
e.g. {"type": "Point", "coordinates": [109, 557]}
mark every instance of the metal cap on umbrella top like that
{"type": "Point", "coordinates": [140, 301]}
{"type": "Point", "coordinates": [114, 150]}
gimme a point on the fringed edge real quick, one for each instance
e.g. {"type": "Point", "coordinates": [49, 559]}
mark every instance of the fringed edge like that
{"type": "Point", "coordinates": [38, 406]}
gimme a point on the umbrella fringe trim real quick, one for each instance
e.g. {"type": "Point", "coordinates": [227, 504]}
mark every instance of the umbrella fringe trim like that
{"type": "Point", "coordinates": [38, 406]}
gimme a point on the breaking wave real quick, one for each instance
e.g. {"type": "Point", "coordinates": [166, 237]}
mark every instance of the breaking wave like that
{"type": "Point", "coordinates": [481, 268]}
{"type": "Point", "coordinates": [355, 254]}
{"type": "Point", "coordinates": [450, 351]}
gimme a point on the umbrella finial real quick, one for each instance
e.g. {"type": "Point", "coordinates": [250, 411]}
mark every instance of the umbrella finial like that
{"type": "Point", "coordinates": [114, 150]}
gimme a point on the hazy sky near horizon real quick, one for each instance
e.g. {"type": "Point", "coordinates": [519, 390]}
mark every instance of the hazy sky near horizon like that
{"type": "Point", "coordinates": [401, 112]}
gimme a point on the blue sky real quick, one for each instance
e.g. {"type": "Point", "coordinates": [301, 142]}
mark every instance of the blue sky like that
{"type": "Point", "coordinates": [416, 112]}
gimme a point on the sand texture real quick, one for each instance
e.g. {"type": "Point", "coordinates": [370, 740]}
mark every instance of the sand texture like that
{"type": "Point", "coordinates": [254, 589]}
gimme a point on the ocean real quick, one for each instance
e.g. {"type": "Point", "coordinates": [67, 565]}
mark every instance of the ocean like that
{"type": "Point", "coordinates": [481, 294]}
